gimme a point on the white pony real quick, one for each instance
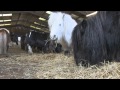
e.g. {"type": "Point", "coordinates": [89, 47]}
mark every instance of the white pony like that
{"type": "Point", "coordinates": [61, 26]}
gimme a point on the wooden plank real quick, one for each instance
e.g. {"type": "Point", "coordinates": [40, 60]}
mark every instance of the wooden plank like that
{"type": "Point", "coordinates": [22, 21]}
{"type": "Point", "coordinates": [10, 26]}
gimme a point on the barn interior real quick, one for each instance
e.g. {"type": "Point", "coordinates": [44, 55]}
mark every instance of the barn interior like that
{"type": "Point", "coordinates": [19, 64]}
{"type": "Point", "coordinates": [21, 22]}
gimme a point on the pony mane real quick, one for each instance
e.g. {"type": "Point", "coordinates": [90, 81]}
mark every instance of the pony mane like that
{"type": "Point", "coordinates": [97, 38]}
{"type": "Point", "coordinates": [69, 25]}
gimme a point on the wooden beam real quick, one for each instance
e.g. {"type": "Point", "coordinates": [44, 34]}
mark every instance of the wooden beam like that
{"type": "Point", "coordinates": [18, 25]}
{"type": "Point", "coordinates": [5, 17]}
{"type": "Point", "coordinates": [22, 21]}
{"type": "Point", "coordinates": [35, 14]}
{"type": "Point", "coordinates": [38, 14]}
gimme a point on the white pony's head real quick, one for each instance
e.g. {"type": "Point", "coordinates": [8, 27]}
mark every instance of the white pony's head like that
{"type": "Point", "coordinates": [55, 24]}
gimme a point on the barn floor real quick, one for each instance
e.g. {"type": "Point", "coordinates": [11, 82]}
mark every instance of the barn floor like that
{"type": "Point", "coordinates": [20, 65]}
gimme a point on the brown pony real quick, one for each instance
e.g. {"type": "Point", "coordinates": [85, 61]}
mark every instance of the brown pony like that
{"type": "Point", "coordinates": [4, 40]}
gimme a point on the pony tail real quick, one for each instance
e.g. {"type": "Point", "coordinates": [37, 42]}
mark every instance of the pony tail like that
{"type": "Point", "coordinates": [76, 42]}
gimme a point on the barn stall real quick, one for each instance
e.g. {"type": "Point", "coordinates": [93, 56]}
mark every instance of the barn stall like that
{"type": "Point", "coordinates": [19, 64]}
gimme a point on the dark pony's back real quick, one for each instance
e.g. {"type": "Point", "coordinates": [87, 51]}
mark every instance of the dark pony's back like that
{"type": "Point", "coordinates": [97, 38]}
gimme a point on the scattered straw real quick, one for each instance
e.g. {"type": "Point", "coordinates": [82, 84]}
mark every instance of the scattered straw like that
{"type": "Point", "coordinates": [19, 64]}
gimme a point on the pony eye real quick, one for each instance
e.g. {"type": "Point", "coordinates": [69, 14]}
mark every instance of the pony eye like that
{"type": "Point", "coordinates": [59, 24]}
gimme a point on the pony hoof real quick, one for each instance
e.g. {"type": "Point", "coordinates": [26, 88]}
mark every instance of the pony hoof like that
{"type": "Point", "coordinates": [67, 53]}
{"type": "Point", "coordinates": [7, 55]}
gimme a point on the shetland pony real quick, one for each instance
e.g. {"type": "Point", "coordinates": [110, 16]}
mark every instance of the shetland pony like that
{"type": "Point", "coordinates": [97, 38]}
{"type": "Point", "coordinates": [61, 26]}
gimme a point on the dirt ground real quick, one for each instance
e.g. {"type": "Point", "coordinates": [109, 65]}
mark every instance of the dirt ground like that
{"type": "Point", "coordinates": [20, 65]}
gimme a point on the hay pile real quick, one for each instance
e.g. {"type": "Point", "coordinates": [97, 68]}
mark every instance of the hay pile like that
{"type": "Point", "coordinates": [52, 66]}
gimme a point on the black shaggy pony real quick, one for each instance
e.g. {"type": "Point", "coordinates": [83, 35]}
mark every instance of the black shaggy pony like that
{"type": "Point", "coordinates": [97, 38]}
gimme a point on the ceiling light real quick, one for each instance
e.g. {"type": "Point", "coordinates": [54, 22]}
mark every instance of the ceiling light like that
{"type": "Point", "coordinates": [7, 24]}
{"type": "Point", "coordinates": [48, 12]}
{"type": "Point", "coordinates": [91, 14]}
{"type": "Point", "coordinates": [36, 23]}
{"type": "Point", "coordinates": [1, 20]}
{"type": "Point", "coordinates": [1, 24]}
{"type": "Point", "coordinates": [32, 26]}
{"type": "Point", "coordinates": [38, 28]}
{"type": "Point", "coordinates": [5, 20]}
{"type": "Point", "coordinates": [4, 24]}
{"type": "Point", "coordinates": [5, 14]}
{"type": "Point", "coordinates": [42, 19]}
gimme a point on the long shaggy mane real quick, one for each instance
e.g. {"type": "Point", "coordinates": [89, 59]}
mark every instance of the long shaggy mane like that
{"type": "Point", "coordinates": [97, 38]}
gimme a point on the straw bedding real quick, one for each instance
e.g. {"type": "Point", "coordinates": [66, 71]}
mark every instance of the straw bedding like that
{"type": "Point", "coordinates": [20, 65]}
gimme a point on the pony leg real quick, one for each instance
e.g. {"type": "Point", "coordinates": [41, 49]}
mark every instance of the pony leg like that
{"type": "Point", "coordinates": [43, 50]}
{"type": "Point", "coordinates": [7, 47]}
{"type": "Point", "coordinates": [67, 52]}
{"type": "Point", "coordinates": [1, 44]}
{"type": "Point", "coordinates": [5, 43]}
{"type": "Point", "coordinates": [29, 49]}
